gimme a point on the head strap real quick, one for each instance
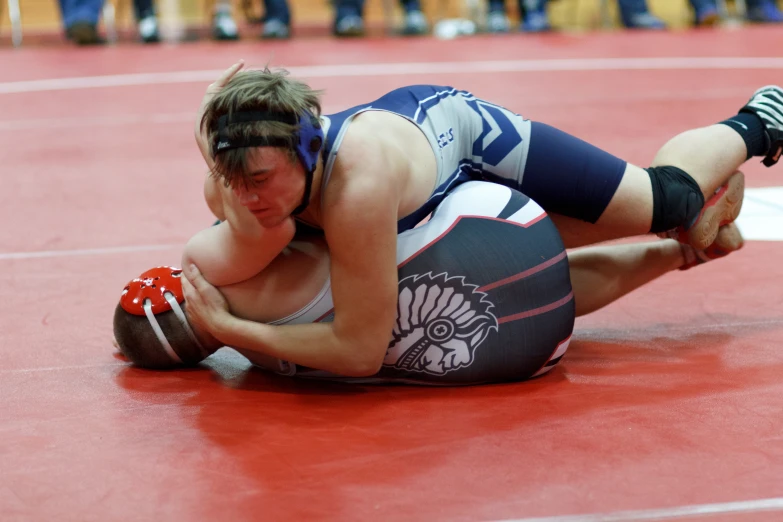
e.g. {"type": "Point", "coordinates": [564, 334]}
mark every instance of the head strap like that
{"type": "Point", "coordinates": [223, 142]}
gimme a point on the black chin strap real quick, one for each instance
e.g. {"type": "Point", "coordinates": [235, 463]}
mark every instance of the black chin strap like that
{"type": "Point", "coordinates": [306, 197]}
{"type": "Point", "coordinates": [309, 185]}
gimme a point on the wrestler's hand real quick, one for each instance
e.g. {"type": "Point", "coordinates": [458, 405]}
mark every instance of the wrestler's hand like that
{"type": "Point", "coordinates": [214, 88]}
{"type": "Point", "coordinates": [206, 307]}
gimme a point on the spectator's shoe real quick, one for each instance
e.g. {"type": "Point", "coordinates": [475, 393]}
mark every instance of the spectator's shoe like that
{"type": "Point", "coordinates": [536, 22]}
{"type": "Point", "coordinates": [148, 29]}
{"type": "Point", "coordinates": [84, 33]}
{"type": "Point", "coordinates": [223, 25]}
{"type": "Point", "coordinates": [275, 29]}
{"type": "Point", "coordinates": [415, 24]}
{"type": "Point", "coordinates": [642, 21]}
{"type": "Point", "coordinates": [497, 22]}
{"type": "Point", "coordinates": [349, 26]}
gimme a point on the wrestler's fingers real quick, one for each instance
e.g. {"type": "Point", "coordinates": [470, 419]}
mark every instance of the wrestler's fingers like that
{"type": "Point", "coordinates": [196, 280]}
{"type": "Point", "coordinates": [188, 290]}
{"type": "Point", "coordinates": [229, 73]}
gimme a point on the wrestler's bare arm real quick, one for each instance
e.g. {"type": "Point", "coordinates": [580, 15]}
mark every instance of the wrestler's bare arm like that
{"type": "Point", "coordinates": [239, 247]}
{"type": "Point", "coordinates": [602, 274]}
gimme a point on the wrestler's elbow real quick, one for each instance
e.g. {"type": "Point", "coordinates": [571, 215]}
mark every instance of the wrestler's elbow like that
{"type": "Point", "coordinates": [363, 357]}
{"type": "Point", "coordinates": [363, 329]}
{"type": "Point", "coordinates": [364, 366]}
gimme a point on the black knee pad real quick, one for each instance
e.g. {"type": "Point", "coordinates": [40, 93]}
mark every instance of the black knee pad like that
{"type": "Point", "coordinates": [677, 198]}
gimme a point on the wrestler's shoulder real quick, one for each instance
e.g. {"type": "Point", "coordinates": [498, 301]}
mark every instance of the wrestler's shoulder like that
{"type": "Point", "coordinates": [370, 144]}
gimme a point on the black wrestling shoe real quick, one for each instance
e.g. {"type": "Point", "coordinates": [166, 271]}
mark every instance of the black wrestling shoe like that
{"type": "Point", "coordinates": [767, 104]}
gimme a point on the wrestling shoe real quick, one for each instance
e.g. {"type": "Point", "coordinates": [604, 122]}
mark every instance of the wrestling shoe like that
{"type": "Point", "coordinates": [767, 104]}
{"type": "Point", "coordinates": [728, 240]}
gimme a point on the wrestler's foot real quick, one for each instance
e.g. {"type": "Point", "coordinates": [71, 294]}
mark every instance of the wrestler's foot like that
{"type": "Point", "coordinates": [728, 240]}
{"type": "Point", "coordinates": [767, 104]}
{"type": "Point", "coordinates": [721, 209]}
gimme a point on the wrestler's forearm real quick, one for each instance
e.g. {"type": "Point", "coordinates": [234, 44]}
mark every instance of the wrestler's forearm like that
{"type": "Point", "coordinates": [313, 345]}
{"type": "Point", "coordinates": [602, 274]}
{"type": "Point", "coordinates": [225, 257]}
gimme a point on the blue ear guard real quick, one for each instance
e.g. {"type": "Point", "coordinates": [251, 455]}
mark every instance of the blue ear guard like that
{"type": "Point", "coordinates": [311, 138]}
{"type": "Point", "coordinates": [308, 145]}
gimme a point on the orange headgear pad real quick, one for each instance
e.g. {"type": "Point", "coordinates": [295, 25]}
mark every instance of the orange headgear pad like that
{"type": "Point", "coordinates": [153, 285]}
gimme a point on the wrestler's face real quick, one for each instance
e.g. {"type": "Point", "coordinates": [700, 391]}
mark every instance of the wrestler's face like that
{"type": "Point", "coordinates": [275, 187]}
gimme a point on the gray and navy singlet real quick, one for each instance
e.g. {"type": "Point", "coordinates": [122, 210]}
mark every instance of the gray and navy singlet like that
{"type": "Point", "coordinates": [474, 139]}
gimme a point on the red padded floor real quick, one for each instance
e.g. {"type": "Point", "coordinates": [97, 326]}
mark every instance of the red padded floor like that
{"type": "Point", "coordinates": [669, 398]}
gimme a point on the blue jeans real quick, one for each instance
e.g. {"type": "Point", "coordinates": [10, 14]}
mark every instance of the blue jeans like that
{"type": "Point", "coordinates": [277, 10]}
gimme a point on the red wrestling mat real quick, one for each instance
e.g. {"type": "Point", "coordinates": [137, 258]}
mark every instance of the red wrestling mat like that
{"type": "Point", "coordinates": [669, 399]}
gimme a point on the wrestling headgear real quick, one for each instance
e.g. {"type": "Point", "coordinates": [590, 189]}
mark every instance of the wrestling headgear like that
{"type": "Point", "coordinates": [309, 139]}
{"type": "Point", "coordinates": [154, 292]}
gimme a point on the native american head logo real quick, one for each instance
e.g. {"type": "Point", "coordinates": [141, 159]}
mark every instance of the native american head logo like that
{"type": "Point", "coordinates": [440, 323]}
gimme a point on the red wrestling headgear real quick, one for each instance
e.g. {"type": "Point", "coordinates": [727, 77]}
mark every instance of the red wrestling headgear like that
{"type": "Point", "coordinates": [156, 291]}
{"type": "Point", "coordinates": [152, 285]}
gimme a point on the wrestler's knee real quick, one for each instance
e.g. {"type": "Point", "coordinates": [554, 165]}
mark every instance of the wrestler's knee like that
{"type": "Point", "coordinates": [654, 200]}
{"type": "Point", "coordinates": [677, 198]}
